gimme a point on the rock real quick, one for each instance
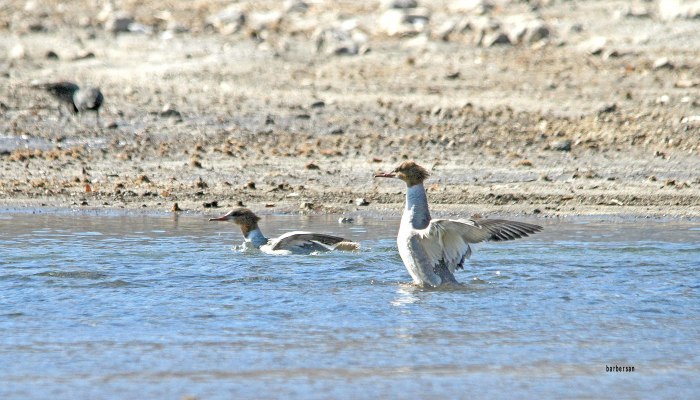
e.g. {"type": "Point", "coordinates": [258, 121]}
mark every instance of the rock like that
{"type": "Point", "coordinates": [346, 220]}
{"type": "Point", "coordinates": [345, 39]}
{"type": "Point", "coordinates": [401, 4]}
{"type": "Point", "coordinates": [265, 21]}
{"type": "Point", "coordinates": [471, 6]}
{"type": "Point", "coordinates": [594, 45]}
{"type": "Point", "coordinates": [312, 166]}
{"type": "Point", "coordinates": [336, 130]}
{"type": "Point", "coordinates": [664, 99]}
{"type": "Point", "coordinates": [404, 22]}
{"type": "Point", "coordinates": [608, 108]}
{"type": "Point", "coordinates": [212, 204]}
{"type": "Point", "coordinates": [527, 31]}
{"type": "Point", "coordinates": [51, 55]}
{"type": "Point", "coordinates": [318, 104]}
{"type": "Point", "coordinates": [692, 120]}
{"type": "Point", "coordinates": [17, 52]}
{"type": "Point", "coordinates": [119, 22]}
{"type": "Point", "coordinates": [306, 206]}
{"type": "Point", "coordinates": [175, 208]}
{"type": "Point", "coordinates": [686, 83]}
{"type": "Point", "coordinates": [361, 202]}
{"type": "Point", "coordinates": [662, 63]}
{"type": "Point", "coordinates": [561, 145]}
{"type": "Point", "coordinates": [674, 9]}
{"type": "Point", "coordinates": [229, 20]}
{"type": "Point", "coordinates": [169, 110]}
{"type": "Point", "coordinates": [295, 6]}
{"type": "Point", "coordinates": [494, 38]}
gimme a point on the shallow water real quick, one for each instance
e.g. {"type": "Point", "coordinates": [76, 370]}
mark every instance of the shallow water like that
{"type": "Point", "coordinates": [160, 306]}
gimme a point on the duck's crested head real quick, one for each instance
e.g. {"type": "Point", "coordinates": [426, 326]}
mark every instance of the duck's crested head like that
{"type": "Point", "coordinates": [409, 172]}
{"type": "Point", "coordinates": [240, 216]}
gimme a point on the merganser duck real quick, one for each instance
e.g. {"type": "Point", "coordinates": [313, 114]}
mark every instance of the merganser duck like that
{"type": "Point", "coordinates": [432, 249]}
{"type": "Point", "coordinates": [296, 242]}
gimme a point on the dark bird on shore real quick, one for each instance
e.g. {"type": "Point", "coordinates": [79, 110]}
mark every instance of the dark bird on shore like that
{"type": "Point", "coordinates": [75, 98]}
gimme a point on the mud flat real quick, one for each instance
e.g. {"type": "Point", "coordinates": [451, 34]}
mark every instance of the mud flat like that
{"type": "Point", "coordinates": [549, 107]}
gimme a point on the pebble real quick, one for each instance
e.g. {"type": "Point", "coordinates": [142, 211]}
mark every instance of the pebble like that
{"type": "Point", "coordinates": [361, 202]}
{"type": "Point", "coordinates": [404, 22]}
{"type": "Point", "coordinates": [17, 52]}
{"type": "Point", "coordinates": [401, 4]}
{"type": "Point", "coordinates": [212, 204]}
{"type": "Point", "coordinates": [676, 9]}
{"type": "Point", "coordinates": [594, 45]}
{"type": "Point", "coordinates": [169, 110]}
{"type": "Point", "coordinates": [561, 145]}
{"type": "Point", "coordinates": [471, 6]}
{"type": "Point", "coordinates": [312, 166]}
{"type": "Point", "coordinates": [346, 220]}
{"type": "Point", "coordinates": [229, 20]}
{"type": "Point", "coordinates": [51, 55]}
{"type": "Point", "coordinates": [526, 30]}
{"type": "Point", "coordinates": [662, 63]}
{"type": "Point", "coordinates": [119, 22]}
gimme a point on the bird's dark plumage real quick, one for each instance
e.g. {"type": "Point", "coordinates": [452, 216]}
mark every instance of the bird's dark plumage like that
{"type": "Point", "coordinates": [75, 98]}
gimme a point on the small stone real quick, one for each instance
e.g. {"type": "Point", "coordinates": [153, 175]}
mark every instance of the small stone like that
{"type": "Point", "coordinates": [686, 83]}
{"type": "Point", "coordinates": [664, 99]}
{"type": "Point", "coordinates": [119, 22]}
{"type": "Point", "coordinates": [663, 63]}
{"type": "Point", "coordinates": [403, 22]}
{"type": "Point", "coordinates": [297, 6]}
{"type": "Point", "coordinates": [471, 6]}
{"type": "Point", "coordinates": [346, 220]}
{"type": "Point", "coordinates": [17, 52]}
{"type": "Point", "coordinates": [399, 4]}
{"type": "Point", "coordinates": [169, 110]}
{"type": "Point", "coordinates": [51, 55]}
{"type": "Point", "coordinates": [175, 208]}
{"type": "Point", "coordinates": [338, 130]}
{"type": "Point", "coordinates": [312, 166]}
{"type": "Point", "coordinates": [229, 20]}
{"type": "Point", "coordinates": [306, 206]}
{"type": "Point", "coordinates": [674, 9]}
{"type": "Point", "coordinates": [494, 38]}
{"type": "Point", "coordinates": [318, 104]}
{"type": "Point", "coordinates": [83, 56]}
{"type": "Point", "coordinates": [608, 108]}
{"type": "Point", "coordinates": [361, 201]}
{"type": "Point", "coordinates": [212, 204]}
{"type": "Point", "coordinates": [594, 45]}
{"type": "Point", "coordinates": [561, 145]}
{"type": "Point", "coordinates": [250, 185]}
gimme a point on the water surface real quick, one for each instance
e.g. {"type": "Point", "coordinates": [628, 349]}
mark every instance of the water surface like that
{"type": "Point", "coordinates": [161, 306]}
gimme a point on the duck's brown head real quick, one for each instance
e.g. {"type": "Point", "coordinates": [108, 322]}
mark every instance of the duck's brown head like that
{"type": "Point", "coordinates": [408, 171]}
{"type": "Point", "coordinates": [242, 217]}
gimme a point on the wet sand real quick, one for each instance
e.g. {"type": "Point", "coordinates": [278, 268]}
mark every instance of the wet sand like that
{"type": "Point", "coordinates": [267, 115]}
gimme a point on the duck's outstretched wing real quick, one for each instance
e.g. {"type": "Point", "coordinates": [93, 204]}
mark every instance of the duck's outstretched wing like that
{"type": "Point", "coordinates": [447, 241]}
{"type": "Point", "coordinates": [312, 242]}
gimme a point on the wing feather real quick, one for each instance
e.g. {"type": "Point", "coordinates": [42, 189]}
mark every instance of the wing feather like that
{"type": "Point", "coordinates": [446, 240]}
{"type": "Point", "coordinates": [301, 239]}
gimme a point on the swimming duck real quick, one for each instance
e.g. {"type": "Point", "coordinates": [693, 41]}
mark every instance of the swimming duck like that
{"type": "Point", "coordinates": [432, 249]}
{"type": "Point", "coordinates": [296, 242]}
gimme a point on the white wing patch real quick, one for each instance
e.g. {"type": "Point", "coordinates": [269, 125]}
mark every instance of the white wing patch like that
{"type": "Point", "coordinates": [307, 242]}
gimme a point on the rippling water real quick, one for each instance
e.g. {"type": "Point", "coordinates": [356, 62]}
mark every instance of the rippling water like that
{"type": "Point", "coordinates": [160, 306]}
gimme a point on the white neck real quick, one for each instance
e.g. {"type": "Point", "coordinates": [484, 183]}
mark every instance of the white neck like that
{"type": "Point", "coordinates": [256, 238]}
{"type": "Point", "coordinates": [416, 212]}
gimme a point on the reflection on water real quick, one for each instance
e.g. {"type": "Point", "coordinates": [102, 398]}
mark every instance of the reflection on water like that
{"type": "Point", "coordinates": [160, 306]}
